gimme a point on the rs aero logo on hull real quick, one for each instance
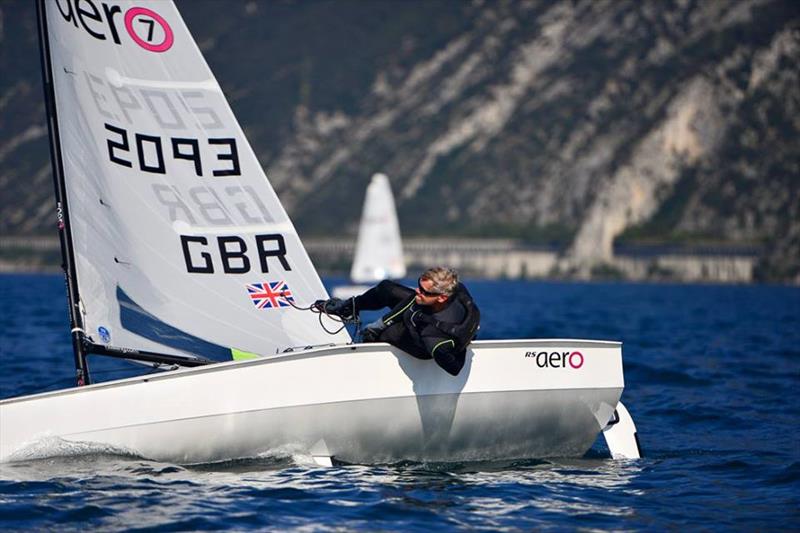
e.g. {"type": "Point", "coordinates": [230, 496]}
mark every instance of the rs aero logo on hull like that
{"type": "Point", "coordinates": [543, 359]}
{"type": "Point", "coordinates": [104, 22]}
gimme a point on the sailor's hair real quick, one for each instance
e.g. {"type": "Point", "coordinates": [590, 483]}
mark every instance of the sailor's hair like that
{"type": "Point", "coordinates": [444, 280]}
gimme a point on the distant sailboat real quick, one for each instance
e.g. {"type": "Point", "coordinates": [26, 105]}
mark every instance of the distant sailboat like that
{"type": "Point", "coordinates": [177, 252]}
{"type": "Point", "coordinates": [379, 250]}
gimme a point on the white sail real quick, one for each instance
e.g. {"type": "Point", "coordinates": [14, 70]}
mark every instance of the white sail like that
{"type": "Point", "coordinates": [181, 244]}
{"type": "Point", "coordinates": [379, 250]}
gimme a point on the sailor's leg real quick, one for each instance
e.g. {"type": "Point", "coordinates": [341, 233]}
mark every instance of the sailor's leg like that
{"type": "Point", "coordinates": [384, 294]}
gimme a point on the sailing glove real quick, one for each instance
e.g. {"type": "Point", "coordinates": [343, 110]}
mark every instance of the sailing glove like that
{"type": "Point", "coordinates": [373, 330]}
{"type": "Point", "coordinates": [335, 306]}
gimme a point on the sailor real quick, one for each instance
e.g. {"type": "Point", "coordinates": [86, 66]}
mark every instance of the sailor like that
{"type": "Point", "coordinates": [437, 320]}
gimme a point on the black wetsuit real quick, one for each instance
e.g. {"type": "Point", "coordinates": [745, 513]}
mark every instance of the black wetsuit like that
{"type": "Point", "coordinates": [405, 330]}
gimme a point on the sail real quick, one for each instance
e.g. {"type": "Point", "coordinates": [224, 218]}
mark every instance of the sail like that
{"type": "Point", "coordinates": [181, 245]}
{"type": "Point", "coordinates": [379, 250]}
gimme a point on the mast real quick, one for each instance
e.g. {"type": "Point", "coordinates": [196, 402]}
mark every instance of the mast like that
{"type": "Point", "coordinates": [64, 231]}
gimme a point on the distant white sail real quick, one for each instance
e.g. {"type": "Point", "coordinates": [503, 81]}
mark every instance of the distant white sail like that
{"type": "Point", "coordinates": [379, 250]}
{"type": "Point", "coordinates": [181, 244]}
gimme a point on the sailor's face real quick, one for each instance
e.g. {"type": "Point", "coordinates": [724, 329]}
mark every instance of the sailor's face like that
{"type": "Point", "coordinates": [426, 295]}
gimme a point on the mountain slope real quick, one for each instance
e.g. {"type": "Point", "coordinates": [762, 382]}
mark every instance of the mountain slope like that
{"type": "Point", "coordinates": [584, 123]}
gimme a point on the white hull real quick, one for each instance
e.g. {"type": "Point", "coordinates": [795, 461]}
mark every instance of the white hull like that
{"type": "Point", "coordinates": [363, 403]}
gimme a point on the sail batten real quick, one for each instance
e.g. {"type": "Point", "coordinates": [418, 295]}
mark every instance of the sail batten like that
{"type": "Point", "coordinates": [115, 78]}
{"type": "Point", "coordinates": [169, 205]}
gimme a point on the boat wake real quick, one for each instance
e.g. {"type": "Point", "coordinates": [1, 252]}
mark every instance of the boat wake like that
{"type": "Point", "coordinates": [272, 459]}
{"type": "Point", "coordinates": [52, 447]}
{"type": "Point", "coordinates": [57, 448]}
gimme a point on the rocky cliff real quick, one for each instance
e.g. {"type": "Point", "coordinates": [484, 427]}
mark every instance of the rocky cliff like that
{"type": "Point", "coordinates": [584, 123]}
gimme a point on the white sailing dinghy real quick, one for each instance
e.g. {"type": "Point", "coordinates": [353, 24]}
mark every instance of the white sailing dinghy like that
{"type": "Point", "coordinates": [379, 250]}
{"type": "Point", "coordinates": [177, 252]}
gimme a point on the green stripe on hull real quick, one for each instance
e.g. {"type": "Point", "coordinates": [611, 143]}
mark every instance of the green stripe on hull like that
{"type": "Point", "coordinates": [241, 355]}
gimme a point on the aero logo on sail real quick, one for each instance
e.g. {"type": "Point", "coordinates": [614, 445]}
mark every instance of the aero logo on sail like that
{"type": "Point", "coordinates": [145, 27]}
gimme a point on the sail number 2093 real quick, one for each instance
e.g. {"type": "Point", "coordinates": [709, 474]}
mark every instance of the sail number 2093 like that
{"type": "Point", "coordinates": [147, 152]}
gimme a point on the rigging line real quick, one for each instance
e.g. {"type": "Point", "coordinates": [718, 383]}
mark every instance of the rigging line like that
{"type": "Point", "coordinates": [335, 318]}
{"type": "Point", "coordinates": [326, 330]}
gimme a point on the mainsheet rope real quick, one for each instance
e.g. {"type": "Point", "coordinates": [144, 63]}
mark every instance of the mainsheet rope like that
{"type": "Point", "coordinates": [320, 310]}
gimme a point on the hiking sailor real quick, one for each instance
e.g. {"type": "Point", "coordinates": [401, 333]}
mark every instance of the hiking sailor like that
{"type": "Point", "coordinates": [437, 320]}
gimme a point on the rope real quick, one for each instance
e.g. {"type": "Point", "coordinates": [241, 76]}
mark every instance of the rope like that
{"type": "Point", "coordinates": [320, 310]}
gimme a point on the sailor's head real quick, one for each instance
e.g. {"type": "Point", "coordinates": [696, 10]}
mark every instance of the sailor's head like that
{"type": "Point", "coordinates": [436, 285]}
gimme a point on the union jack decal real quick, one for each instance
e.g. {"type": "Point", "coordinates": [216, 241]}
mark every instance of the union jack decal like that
{"type": "Point", "coordinates": [270, 294]}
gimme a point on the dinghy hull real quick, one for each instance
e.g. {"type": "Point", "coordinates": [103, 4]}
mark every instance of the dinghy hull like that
{"type": "Point", "coordinates": [366, 403]}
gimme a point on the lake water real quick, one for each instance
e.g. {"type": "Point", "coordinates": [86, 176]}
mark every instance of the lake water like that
{"type": "Point", "coordinates": [712, 375]}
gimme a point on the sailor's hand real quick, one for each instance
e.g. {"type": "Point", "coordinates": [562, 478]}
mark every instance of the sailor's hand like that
{"type": "Point", "coordinates": [335, 306]}
{"type": "Point", "coordinates": [370, 335]}
{"type": "Point", "coordinates": [373, 330]}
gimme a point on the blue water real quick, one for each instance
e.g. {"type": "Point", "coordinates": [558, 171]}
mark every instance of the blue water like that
{"type": "Point", "coordinates": [712, 378]}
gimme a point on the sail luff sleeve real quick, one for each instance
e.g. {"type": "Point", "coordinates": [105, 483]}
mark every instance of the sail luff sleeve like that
{"type": "Point", "coordinates": [62, 209]}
